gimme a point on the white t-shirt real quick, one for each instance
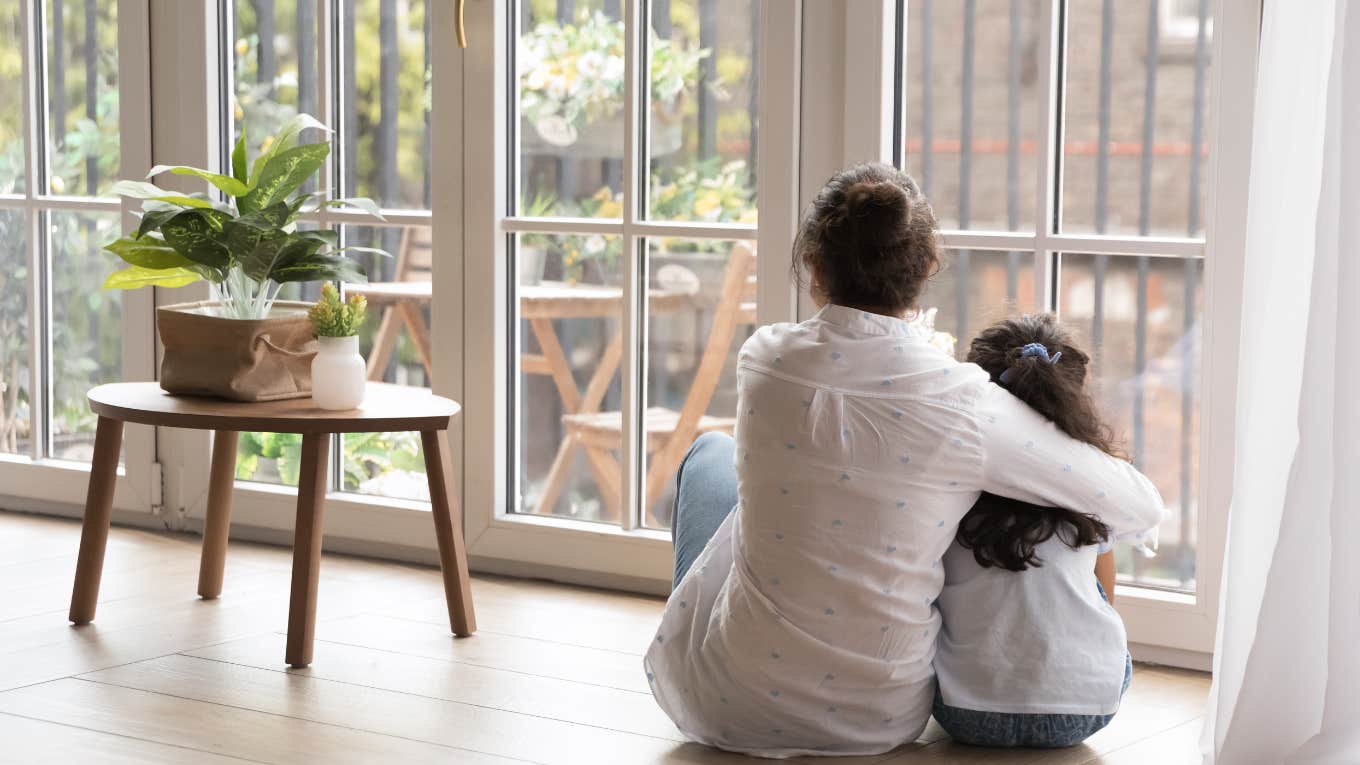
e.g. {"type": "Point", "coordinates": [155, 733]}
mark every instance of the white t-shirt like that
{"type": "Point", "coordinates": [807, 625]}
{"type": "Point", "coordinates": [1039, 641]}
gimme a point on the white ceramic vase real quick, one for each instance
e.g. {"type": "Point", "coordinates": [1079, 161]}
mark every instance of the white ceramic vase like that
{"type": "Point", "coordinates": [338, 373]}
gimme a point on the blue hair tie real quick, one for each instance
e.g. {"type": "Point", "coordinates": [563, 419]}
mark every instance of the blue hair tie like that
{"type": "Point", "coordinates": [1031, 349]}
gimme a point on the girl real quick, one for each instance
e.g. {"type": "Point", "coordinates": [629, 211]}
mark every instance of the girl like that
{"type": "Point", "coordinates": [1036, 658]}
{"type": "Point", "coordinates": [808, 550]}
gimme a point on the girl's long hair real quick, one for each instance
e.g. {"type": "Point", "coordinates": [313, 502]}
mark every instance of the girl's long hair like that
{"type": "Point", "coordinates": [1005, 532]}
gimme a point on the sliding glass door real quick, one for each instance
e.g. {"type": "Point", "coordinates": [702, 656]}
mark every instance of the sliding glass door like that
{"type": "Point", "coordinates": [622, 239]}
{"type": "Point", "coordinates": [70, 126]}
{"type": "Point", "coordinates": [1065, 147]}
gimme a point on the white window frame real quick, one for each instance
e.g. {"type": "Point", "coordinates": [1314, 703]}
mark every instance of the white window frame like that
{"type": "Point", "coordinates": [1167, 627]}
{"type": "Point", "coordinates": [34, 482]}
{"type": "Point", "coordinates": [499, 539]}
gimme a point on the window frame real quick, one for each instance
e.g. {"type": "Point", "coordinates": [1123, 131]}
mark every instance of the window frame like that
{"type": "Point", "coordinates": [36, 481]}
{"type": "Point", "coordinates": [626, 555]}
{"type": "Point", "coordinates": [1168, 627]}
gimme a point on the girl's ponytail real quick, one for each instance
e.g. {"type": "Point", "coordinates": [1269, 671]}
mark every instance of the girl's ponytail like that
{"type": "Point", "coordinates": [1033, 357]}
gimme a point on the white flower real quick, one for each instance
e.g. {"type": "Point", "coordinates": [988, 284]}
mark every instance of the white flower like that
{"type": "Point", "coordinates": [538, 77]}
{"type": "Point", "coordinates": [557, 88]}
{"type": "Point", "coordinates": [613, 69]}
{"type": "Point", "coordinates": [595, 244]}
{"type": "Point", "coordinates": [590, 64]}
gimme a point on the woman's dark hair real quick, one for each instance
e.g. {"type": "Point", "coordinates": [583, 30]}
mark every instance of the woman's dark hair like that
{"type": "Point", "coordinates": [868, 239]}
{"type": "Point", "coordinates": [1004, 532]}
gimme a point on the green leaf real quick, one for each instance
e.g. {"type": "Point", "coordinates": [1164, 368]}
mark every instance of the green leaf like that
{"type": "Point", "coordinates": [362, 203]}
{"type": "Point", "coordinates": [238, 158]}
{"type": "Point", "coordinates": [193, 235]}
{"type": "Point", "coordinates": [319, 268]}
{"type": "Point", "coordinates": [148, 253]}
{"type": "Point", "coordinates": [241, 238]}
{"type": "Point", "coordinates": [246, 465]}
{"type": "Point", "coordinates": [153, 219]}
{"type": "Point", "coordinates": [224, 182]}
{"type": "Point", "coordinates": [260, 262]}
{"type": "Point", "coordinates": [132, 277]}
{"type": "Point", "coordinates": [283, 174]}
{"type": "Point", "coordinates": [284, 140]}
{"type": "Point", "coordinates": [357, 248]}
{"type": "Point", "coordinates": [150, 191]}
{"type": "Point", "coordinates": [325, 236]}
{"type": "Point", "coordinates": [274, 216]}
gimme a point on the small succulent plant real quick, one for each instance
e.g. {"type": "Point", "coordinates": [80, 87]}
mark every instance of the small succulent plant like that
{"type": "Point", "coordinates": [333, 317]}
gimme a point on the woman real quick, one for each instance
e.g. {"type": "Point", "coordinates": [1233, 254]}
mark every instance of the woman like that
{"type": "Point", "coordinates": [802, 619]}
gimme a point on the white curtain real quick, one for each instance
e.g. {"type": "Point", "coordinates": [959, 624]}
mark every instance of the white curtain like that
{"type": "Point", "coordinates": [1287, 664]}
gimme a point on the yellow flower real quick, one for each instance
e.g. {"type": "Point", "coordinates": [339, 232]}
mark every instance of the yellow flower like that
{"type": "Point", "coordinates": [242, 47]}
{"type": "Point", "coordinates": [748, 216]}
{"type": "Point", "coordinates": [706, 204]}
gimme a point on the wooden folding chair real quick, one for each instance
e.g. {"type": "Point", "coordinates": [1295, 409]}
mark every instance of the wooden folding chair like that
{"type": "Point", "coordinates": [667, 433]}
{"type": "Point", "coordinates": [402, 301]}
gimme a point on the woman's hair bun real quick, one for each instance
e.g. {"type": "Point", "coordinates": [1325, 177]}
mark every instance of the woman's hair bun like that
{"type": "Point", "coordinates": [869, 239]}
{"type": "Point", "coordinates": [877, 212]}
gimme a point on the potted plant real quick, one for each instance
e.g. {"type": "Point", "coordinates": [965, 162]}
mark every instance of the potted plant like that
{"type": "Point", "coordinates": [571, 87]}
{"type": "Point", "coordinates": [243, 344]}
{"type": "Point", "coordinates": [338, 371]}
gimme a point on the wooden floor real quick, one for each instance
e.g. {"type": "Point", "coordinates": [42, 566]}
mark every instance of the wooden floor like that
{"type": "Point", "coordinates": [553, 676]}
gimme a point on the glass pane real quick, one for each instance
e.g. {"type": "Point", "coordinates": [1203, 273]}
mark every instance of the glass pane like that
{"type": "Point", "coordinates": [273, 67]}
{"type": "Point", "coordinates": [570, 108]}
{"type": "Point", "coordinates": [702, 306]}
{"type": "Point", "coordinates": [567, 412]}
{"type": "Point", "coordinates": [391, 464]}
{"type": "Point", "coordinates": [269, 458]}
{"type": "Point", "coordinates": [1137, 100]}
{"type": "Point", "coordinates": [16, 422]}
{"type": "Point", "coordinates": [975, 289]}
{"type": "Point", "coordinates": [385, 120]}
{"type": "Point", "coordinates": [87, 325]}
{"type": "Point", "coordinates": [1141, 318]}
{"type": "Point", "coordinates": [11, 100]}
{"type": "Point", "coordinates": [703, 102]}
{"type": "Point", "coordinates": [971, 74]}
{"type": "Point", "coordinates": [82, 97]}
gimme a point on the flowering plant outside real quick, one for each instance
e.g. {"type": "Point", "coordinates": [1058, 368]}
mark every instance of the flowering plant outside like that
{"type": "Point", "coordinates": [571, 75]}
{"type": "Point", "coordinates": [710, 191]}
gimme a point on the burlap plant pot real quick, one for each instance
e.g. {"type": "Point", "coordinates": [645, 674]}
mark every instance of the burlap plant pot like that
{"type": "Point", "coordinates": [237, 359]}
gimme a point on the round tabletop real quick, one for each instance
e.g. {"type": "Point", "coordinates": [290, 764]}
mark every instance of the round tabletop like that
{"type": "Point", "coordinates": [386, 407]}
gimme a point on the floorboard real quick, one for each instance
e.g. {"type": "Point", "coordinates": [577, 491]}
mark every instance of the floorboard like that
{"type": "Point", "coordinates": [553, 676]}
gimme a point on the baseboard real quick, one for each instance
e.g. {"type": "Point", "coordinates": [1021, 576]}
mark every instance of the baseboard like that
{"type": "Point", "coordinates": [1172, 657]}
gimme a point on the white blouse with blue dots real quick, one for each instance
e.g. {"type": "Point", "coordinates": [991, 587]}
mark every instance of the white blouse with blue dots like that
{"type": "Point", "coordinates": [808, 625]}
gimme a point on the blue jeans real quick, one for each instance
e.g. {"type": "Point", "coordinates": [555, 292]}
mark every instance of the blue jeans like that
{"type": "Point", "coordinates": [1047, 731]}
{"type": "Point", "coordinates": [705, 494]}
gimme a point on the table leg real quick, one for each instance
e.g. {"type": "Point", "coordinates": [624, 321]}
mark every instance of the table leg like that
{"type": "Point", "coordinates": [94, 534]}
{"type": "Point", "coordinates": [217, 527]}
{"type": "Point", "coordinates": [448, 529]}
{"type": "Point", "coordinates": [307, 548]}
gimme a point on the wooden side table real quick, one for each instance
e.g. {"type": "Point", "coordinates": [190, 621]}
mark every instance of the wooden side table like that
{"type": "Point", "coordinates": [386, 408]}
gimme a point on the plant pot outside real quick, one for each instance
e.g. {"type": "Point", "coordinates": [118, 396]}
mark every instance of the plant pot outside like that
{"type": "Point", "coordinates": [603, 138]}
{"type": "Point", "coordinates": [236, 359]}
{"type": "Point", "coordinates": [529, 263]}
{"type": "Point", "coordinates": [338, 373]}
